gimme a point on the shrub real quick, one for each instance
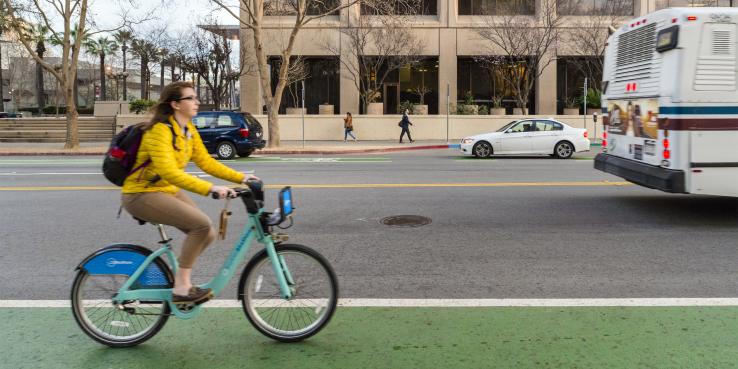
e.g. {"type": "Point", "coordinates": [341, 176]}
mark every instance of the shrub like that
{"type": "Point", "coordinates": [141, 106]}
{"type": "Point", "coordinates": [406, 105]}
{"type": "Point", "coordinates": [483, 110]}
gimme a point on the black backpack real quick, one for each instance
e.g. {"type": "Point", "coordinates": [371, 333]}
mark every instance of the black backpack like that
{"type": "Point", "coordinates": [121, 156]}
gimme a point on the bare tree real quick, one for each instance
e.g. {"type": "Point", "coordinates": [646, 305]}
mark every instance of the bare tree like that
{"type": "Point", "coordinates": [74, 16]}
{"type": "Point", "coordinates": [590, 32]}
{"type": "Point", "coordinates": [304, 12]}
{"type": "Point", "coordinates": [378, 47]}
{"type": "Point", "coordinates": [521, 46]}
{"type": "Point", "coordinates": [209, 56]}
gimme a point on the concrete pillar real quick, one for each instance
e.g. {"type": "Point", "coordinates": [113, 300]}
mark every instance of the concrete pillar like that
{"type": "Point", "coordinates": [250, 86]}
{"type": "Point", "coordinates": [546, 89]}
{"type": "Point", "coordinates": [348, 89]}
{"type": "Point", "coordinates": [447, 70]}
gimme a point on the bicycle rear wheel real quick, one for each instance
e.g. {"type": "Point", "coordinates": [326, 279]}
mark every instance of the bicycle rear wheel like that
{"type": "Point", "coordinates": [127, 324]}
{"type": "Point", "coordinates": [314, 294]}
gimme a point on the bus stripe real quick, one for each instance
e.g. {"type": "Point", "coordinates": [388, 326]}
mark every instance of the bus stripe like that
{"type": "Point", "coordinates": [701, 110]}
{"type": "Point", "coordinates": [698, 124]}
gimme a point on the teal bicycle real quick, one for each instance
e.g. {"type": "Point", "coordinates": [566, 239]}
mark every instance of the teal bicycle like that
{"type": "Point", "coordinates": [122, 293]}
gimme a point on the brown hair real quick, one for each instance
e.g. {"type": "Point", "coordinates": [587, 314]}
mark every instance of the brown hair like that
{"type": "Point", "coordinates": [163, 108]}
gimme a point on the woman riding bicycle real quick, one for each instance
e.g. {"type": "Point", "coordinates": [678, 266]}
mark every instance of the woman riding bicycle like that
{"type": "Point", "coordinates": [154, 193]}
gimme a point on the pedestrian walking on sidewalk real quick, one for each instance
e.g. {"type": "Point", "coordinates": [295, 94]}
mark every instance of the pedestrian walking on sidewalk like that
{"type": "Point", "coordinates": [348, 127]}
{"type": "Point", "coordinates": [405, 125]}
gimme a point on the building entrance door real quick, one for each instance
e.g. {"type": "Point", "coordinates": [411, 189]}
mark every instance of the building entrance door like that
{"type": "Point", "coordinates": [391, 98]}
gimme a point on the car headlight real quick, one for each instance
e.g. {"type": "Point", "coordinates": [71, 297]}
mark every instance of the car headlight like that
{"type": "Point", "coordinates": [467, 141]}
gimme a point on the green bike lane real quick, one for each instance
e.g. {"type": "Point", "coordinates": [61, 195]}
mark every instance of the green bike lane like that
{"type": "Point", "coordinates": [398, 337]}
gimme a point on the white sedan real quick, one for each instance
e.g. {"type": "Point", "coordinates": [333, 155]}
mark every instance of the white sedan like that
{"type": "Point", "coordinates": [528, 136]}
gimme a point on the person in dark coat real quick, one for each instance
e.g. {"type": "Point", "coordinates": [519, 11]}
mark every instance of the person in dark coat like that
{"type": "Point", "coordinates": [405, 125]}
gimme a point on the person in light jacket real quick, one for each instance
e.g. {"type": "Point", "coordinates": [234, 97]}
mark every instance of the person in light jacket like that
{"type": "Point", "coordinates": [405, 125]}
{"type": "Point", "coordinates": [348, 127]}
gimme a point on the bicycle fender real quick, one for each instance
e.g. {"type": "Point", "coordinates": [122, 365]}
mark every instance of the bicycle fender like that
{"type": "Point", "coordinates": [124, 259]}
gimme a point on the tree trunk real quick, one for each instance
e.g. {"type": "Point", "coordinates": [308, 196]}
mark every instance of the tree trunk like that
{"type": "Point", "coordinates": [125, 82]}
{"type": "Point", "coordinates": [103, 95]}
{"type": "Point", "coordinates": [72, 141]}
{"type": "Point", "coordinates": [161, 80]}
{"type": "Point", "coordinates": [143, 79]}
{"type": "Point", "coordinates": [2, 102]}
{"type": "Point", "coordinates": [39, 85]}
{"type": "Point", "coordinates": [273, 120]}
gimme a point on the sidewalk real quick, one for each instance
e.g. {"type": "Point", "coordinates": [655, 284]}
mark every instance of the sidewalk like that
{"type": "Point", "coordinates": [287, 147]}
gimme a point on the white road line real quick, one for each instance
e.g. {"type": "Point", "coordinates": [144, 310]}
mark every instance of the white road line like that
{"type": "Point", "coordinates": [603, 302]}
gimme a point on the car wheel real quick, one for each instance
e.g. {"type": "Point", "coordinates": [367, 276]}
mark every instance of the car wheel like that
{"type": "Point", "coordinates": [482, 149]}
{"type": "Point", "coordinates": [225, 150]}
{"type": "Point", "coordinates": [564, 150]}
{"type": "Point", "coordinates": [245, 154]}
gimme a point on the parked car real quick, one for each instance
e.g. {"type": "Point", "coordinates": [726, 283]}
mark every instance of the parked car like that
{"type": "Point", "coordinates": [7, 115]}
{"type": "Point", "coordinates": [528, 136]}
{"type": "Point", "coordinates": [229, 133]}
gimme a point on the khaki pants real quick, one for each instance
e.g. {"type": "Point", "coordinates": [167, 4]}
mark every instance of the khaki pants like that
{"type": "Point", "coordinates": [178, 211]}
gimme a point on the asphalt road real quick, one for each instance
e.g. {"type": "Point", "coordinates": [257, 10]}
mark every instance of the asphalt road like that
{"type": "Point", "coordinates": [517, 240]}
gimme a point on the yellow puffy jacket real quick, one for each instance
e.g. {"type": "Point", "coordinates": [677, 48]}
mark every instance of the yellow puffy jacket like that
{"type": "Point", "coordinates": [169, 163]}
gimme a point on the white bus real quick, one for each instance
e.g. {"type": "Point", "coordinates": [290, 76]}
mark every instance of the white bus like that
{"type": "Point", "coordinates": [670, 103]}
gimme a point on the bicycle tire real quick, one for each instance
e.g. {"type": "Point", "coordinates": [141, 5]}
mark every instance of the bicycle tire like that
{"type": "Point", "coordinates": [118, 321]}
{"type": "Point", "coordinates": [263, 313]}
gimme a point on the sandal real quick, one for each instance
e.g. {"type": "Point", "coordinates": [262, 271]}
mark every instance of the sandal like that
{"type": "Point", "coordinates": [196, 295]}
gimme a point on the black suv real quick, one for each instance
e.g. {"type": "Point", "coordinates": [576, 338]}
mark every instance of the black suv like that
{"type": "Point", "coordinates": [227, 133]}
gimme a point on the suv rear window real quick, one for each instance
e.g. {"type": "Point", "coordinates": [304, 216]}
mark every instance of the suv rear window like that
{"type": "Point", "coordinates": [203, 121]}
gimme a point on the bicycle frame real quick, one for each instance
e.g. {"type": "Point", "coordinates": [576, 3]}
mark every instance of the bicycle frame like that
{"type": "Point", "coordinates": [252, 230]}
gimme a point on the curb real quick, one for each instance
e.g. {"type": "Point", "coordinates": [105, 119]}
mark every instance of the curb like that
{"type": "Point", "coordinates": [260, 152]}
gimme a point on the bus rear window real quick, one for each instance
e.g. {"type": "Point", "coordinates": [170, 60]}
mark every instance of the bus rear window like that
{"type": "Point", "coordinates": [667, 39]}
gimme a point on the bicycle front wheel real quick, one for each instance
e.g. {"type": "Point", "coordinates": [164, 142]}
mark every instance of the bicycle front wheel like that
{"type": "Point", "coordinates": [314, 294]}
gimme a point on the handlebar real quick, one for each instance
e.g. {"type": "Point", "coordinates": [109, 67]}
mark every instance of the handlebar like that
{"type": "Point", "coordinates": [252, 195]}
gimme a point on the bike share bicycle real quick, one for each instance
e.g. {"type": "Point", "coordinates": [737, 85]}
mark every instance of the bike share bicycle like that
{"type": "Point", "coordinates": [122, 294]}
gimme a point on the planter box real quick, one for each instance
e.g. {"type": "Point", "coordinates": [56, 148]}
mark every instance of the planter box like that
{"type": "Point", "coordinates": [375, 109]}
{"type": "Point", "coordinates": [571, 111]}
{"type": "Point", "coordinates": [591, 111]}
{"type": "Point", "coordinates": [295, 111]}
{"type": "Point", "coordinates": [325, 110]}
{"type": "Point", "coordinates": [497, 111]}
{"type": "Point", "coordinates": [420, 110]}
{"type": "Point", "coordinates": [519, 111]}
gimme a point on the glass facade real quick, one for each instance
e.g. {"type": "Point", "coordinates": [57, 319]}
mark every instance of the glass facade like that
{"type": "Point", "coordinates": [321, 75]}
{"type": "Point", "coordinates": [595, 7]}
{"type": "Point", "coordinates": [570, 74]}
{"type": "Point", "coordinates": [481, 82]}
{"type": "Point", "coordinates": [497, 7]}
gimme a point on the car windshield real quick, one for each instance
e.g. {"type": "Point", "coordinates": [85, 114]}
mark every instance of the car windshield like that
{"type": "Point", "coordinates": [506, 126]}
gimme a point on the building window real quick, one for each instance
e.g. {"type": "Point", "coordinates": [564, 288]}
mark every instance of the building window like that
{"type": "Point", "coordinates": [497, 7]}
{"type": "Point", "coordinates": [570, 74]}
{"type": "Point", "coordinates": [321, 76]}
{"type": "Point", "coordinates": [480, 81]}
{"type": "Point", "coordinates": [412, 7]}
{"type": "Point", "coordinates": [661, 4]}
{"type": "Point", "coordinates": [284, 7]}
{"type": "Point", "coordinates": [419, 84]}
{"type": "Point", "coordinates": [595, 7]}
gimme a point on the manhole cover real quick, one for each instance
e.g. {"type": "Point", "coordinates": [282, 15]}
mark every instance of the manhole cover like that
{"type": "Point", "coordinates": [406, 221]}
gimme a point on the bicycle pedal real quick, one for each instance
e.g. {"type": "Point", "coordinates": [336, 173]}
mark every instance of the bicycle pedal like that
{"type": "Point", "coordinates": [280, 237]}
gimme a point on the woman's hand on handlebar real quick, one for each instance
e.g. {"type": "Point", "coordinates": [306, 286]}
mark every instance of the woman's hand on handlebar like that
{"type": "Point", "coordinates": [220, 192]}
{"type": "Point", "coordinates": [249, 177]}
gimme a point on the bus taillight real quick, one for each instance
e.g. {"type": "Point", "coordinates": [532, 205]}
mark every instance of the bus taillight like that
{"type": "Point", "coordinates": [665, 143]}
{"type": "Point", "coordinates": [586, 134]}
{"type": "Point", "coordinates": [604, 140]}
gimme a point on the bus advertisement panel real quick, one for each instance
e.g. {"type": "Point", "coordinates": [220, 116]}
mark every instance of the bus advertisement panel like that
{"type": "Point", "coordinates": [635, 118]}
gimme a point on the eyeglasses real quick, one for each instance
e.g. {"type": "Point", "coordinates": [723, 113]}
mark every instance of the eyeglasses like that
{"type": "Point", "coordinates": [194, 98]}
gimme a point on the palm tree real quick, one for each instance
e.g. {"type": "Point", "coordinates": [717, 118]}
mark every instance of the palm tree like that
{"type": "Point", "coordinates": [40, 34]}
{"type": "Point", "coordinates": [147, 52]}
{"type": "Point", "coordinates": [123, 37]}
{"type": "Point", "coordinates": [101, 47]}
